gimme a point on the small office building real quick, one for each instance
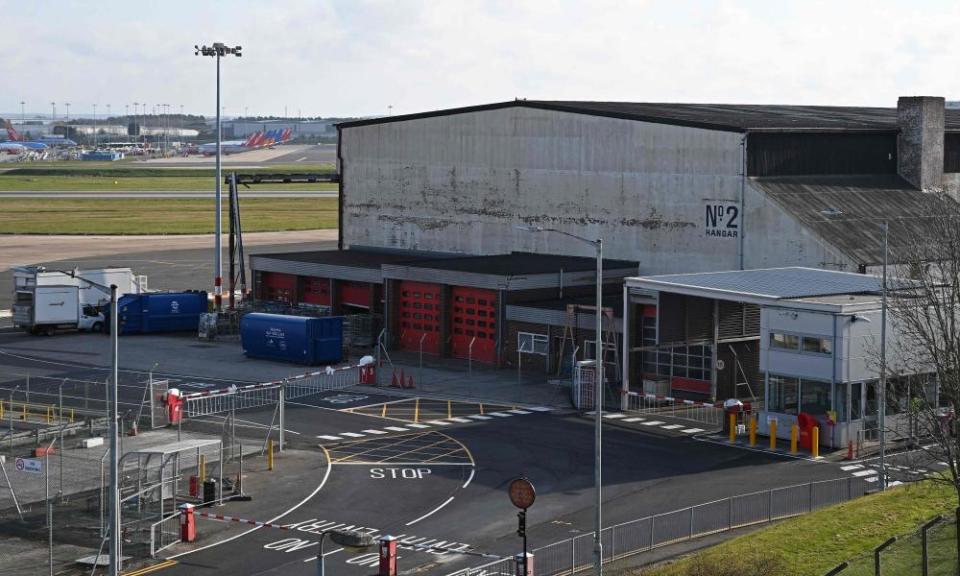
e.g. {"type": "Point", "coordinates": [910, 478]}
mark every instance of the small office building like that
{"type": "Point", "coordinates": [795, 340]}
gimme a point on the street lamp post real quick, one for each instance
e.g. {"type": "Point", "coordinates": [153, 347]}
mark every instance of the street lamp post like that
{"type": "Point", "coordinates": [94, 126]}
{"type": "Point", "coordinates": [598, 397]}
{"type": "Point", "coordinates": [218, 50]}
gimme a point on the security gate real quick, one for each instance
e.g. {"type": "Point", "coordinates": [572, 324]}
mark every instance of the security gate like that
{"type": "Point", "coordinates": [474, 316]}
{"type": "Point", "coordinates": [420, 316]}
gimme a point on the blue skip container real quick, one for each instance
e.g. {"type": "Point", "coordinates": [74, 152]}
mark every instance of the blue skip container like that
{"type": "Point", "coordinates": [155, 312]}
{"type": "Point", "coordinates": [294, 339]}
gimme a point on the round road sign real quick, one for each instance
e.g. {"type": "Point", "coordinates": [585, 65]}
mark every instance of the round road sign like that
{"type": "Point", "coordinates": [522, 493]}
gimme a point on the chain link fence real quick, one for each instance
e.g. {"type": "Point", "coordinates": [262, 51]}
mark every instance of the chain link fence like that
{"type": "Point", "coordinates": [931, 550]}
{"type": "Point", "coordinates": [628, 539]}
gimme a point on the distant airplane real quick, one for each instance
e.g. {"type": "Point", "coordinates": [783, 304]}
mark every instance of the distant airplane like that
{"type": "Point", "coordinates": [260, 139]}
{"type": "Point", "coordinates": [41, 143]}
{"type": "Point", "coordinates": [12, 148]}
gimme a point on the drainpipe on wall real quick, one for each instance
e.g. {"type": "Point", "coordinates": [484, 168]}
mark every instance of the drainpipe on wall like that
{"type": "Point", "coordinates": [743, 185]}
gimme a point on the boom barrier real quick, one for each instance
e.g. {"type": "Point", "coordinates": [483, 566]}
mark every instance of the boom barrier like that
{"type": "Point", "coordinates": [223, 400]}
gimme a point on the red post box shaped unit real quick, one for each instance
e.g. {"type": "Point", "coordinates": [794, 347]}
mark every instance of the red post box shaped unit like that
{"type": "Point", "coordinates": [174, 406]}
{"type": "Point", "coordinates": [388, 556]}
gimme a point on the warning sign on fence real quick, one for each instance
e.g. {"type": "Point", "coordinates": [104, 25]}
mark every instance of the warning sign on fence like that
{"type": "Point", "coordinates": [30, 465]}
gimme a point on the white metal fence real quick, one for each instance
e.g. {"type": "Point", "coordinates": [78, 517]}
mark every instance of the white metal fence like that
{"type": "Point", "coordinates": [568, 557]}
{"type": "Point", "coordinates": [164, 533]}
{"type": "Point", "coordinates": [268, 394]}
{"type": "Point", "coordinates": [700, 412]}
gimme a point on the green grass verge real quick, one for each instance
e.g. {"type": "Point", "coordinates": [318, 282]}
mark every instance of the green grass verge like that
{"type": "Point", "coordinates": [168, 216]}
{"type": "Point", "coordinates": [18, 183]}
{"type": "Point", "coordinates": [813, 544]}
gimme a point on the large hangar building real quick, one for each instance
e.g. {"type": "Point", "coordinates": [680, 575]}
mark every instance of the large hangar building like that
{"type": "Point", "coordinates": [433, 204]}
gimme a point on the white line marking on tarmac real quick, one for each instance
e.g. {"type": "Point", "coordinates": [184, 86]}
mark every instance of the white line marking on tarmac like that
{"type": "Point", "coordinates": [500, 414]}
{"type": "Point", "coordinates": [437, 509]}
{"type": "Point", "coordinates": [334, 438]}
{"type": "Point", "coordinates": [634, 419]}
{"type": "Point", "coordinates": [518, 411]}
{"type": "Point", "coordinates": [392, 463]}
{"type": "Point", "coordinates": [653, 423]}
{"type": "Point", "coordinates": [541, 409]}
{"type": "Point", "coordinates": [420, 426]}
{"type": "Point", "coordinates": [395, 428]}
{"type": "Point", "coordinates": [860, 473]}
{"type": "Point", "coordinates": [351, 435]}
{"type": "Point", "coordinates": [326, 477]}
{"type": "Point", "coordinates": [692, 430]}
{"type": "Point", "coordinates": [374, 432]}
{"type": "Point", "coordinates": [614, 415]}
{"type": "Point", "coordinates": [440, 422]}
{"type": "Point", "coordinates": [460, 420]}
{"type": "Point", "coordinates": [851, 467]}
{"type": "Point", "coordinates": [672, 426]}
{"type": "Point", "coordinates": [872, 479]}
{"type": "Point", "coordinates": [470, 479]}
{"type": "Point", "coordinates": [301, 160]}
{"type": "Point", "coordinates": [479, 417]}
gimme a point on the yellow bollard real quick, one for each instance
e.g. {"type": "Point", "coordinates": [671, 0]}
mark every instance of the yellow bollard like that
{"type": "Point", "coordinates": [49, 415]}
{"type": "Point", "coordinates": [753, 431]}
{"type": "Point", "coordinates": [733, 427]}
{"type": "Point", "coordinates": [773, 434]}
{"type": "Point", "coordinates": [24, 412]}
{"type": "Point", "coordinates": [449, 410]}
{"type": "Point", "coordinates": [416, 411]}
{"type": "Point", "coordinates": [1, 409]}
{"type": "Point", "coordinates": [71, 415]}
{"type": "Point", "coordinates": [202, 472]}
{"type": "Point", "coordinates": [270, 455]}
{"type": "Point", "coordinates": [794, 434]}
{"type": "Point", "coordinates": [481, 409]}
{"type": "Point", "coordinates": [815, 442]}
{"type": "Point", "coordinates": [383, 414]}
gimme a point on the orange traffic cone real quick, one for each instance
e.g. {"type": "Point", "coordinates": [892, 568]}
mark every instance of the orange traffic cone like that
{"type": "Point", "coordinates": [393, 382]}
{"type": "Point", "coordinates": [410, 382]}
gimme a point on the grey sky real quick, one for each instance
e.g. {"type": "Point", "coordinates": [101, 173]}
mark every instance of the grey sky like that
{"type": "Point", "coordinates": [358, 57]}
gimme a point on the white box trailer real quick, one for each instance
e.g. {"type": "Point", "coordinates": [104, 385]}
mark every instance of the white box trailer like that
{"type": "Point", "coordinates": [45, 309]}
{"type": "Point", "coordinates": [127, 282]}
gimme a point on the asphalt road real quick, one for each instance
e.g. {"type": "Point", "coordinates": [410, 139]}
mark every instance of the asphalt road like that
{"type": "Point", "coordinates": [166, 194]}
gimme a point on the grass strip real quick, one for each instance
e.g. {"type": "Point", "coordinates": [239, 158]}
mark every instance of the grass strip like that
{"type": "Point", "coordinates": [811, 545]}
{"type": "Point", "coordinates": [24, 183]}
{"type": "Point", "coordinates": [162, 216]}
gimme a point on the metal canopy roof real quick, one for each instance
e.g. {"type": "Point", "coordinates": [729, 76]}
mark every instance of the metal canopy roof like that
{"type": "Point", "coordinates": [763, 284]}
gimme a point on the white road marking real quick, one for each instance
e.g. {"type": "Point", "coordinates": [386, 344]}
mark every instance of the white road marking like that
{"type": "Point", "coordinates": [440, 422]}
{"type": "Point", "coordinates": [301, 160]}
{"type": "Point", "coordinates": [334, 438]}
{"type": "Point", "coordinates": [541, 409]}
{"type": "Point", "coordinates": [326, 477]}
{"type": "Point", "coordinates": [460, 420]}
{"type": "Point", "coordinates": [894, 483]}
{"type": "Point", "coordinates": [851, 467]}
{"type": "Point", "coordinates": [872, 479]}
{"type": "Point", "coordinates": [692, 430]}
{"type": "Point", "coordinates": [396, 428]}
{"type": "Point", "coordinates": [428, 514]}
{"type": "Point", "coordinates": [653, 423]}
{"type": "Point", "coordinates": [500, 414]}
{"type": "Point", "coordinates": [479, 417]}
{"type": "Point", "coordinates": [861, 473]}
{"type": "Point", "coordinates": [634, 419]}
{"type": "Point", "coordinates": [418, 426]}
{"type": "Point", "coordinates": [672, 426]}
{"type": "Point", "coordinates": [351, 435]}
{"type": "Point", "coordinates": [614, 415]}
{"type": "Point", "coordinates": [374, 432]}
{"type": "Point", "coordinates": [518, 411]}
{"type": "Point", "coordinates": [470, 479]}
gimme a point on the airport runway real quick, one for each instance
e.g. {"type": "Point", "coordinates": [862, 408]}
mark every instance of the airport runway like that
{"type": "Point", "coordinates": [164, 194]}
{"type": "Point", "coordinates": [285, 154]}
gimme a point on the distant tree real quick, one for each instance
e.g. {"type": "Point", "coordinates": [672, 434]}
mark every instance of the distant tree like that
{"type": "Point", "coordinates": [925, 311]}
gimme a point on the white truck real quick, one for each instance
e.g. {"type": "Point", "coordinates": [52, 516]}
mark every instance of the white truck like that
{"type": "Point", "coordinates": [87, 281]}
{"type": "Point", "coordinates": [46, 309]}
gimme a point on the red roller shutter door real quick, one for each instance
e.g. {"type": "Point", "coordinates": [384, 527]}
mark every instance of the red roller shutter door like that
{"type": "Point", "coordinates": [355, 294]}
{"type": "Point", "coordinates": [474, 315]}
{"type": "Point", "coordinates": [420, 316]}
{"type": "Point", "coordinates": [316, 291]}
{"type": "Point", "coordinates": [278, 287]}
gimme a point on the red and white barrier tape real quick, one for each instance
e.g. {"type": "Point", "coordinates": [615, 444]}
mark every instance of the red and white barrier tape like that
{"type": "Point", "coordinates": [681, 401]}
